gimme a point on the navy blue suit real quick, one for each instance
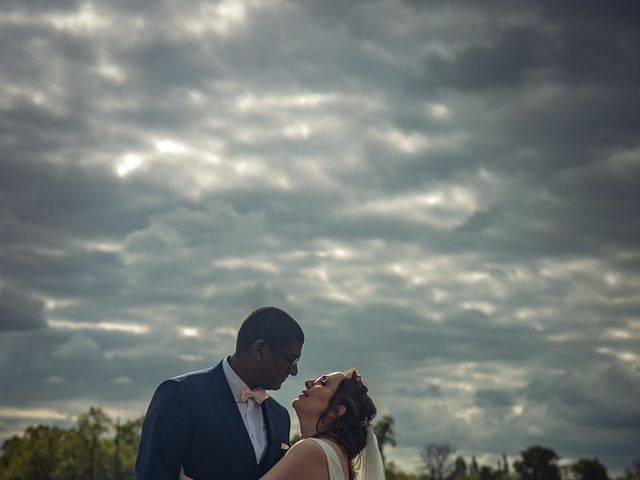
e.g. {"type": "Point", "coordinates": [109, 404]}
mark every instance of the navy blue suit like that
{"type": "Point", "coordinates": [193, 421]}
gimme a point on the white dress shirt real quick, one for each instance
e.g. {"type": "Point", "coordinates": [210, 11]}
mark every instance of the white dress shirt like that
{"type": "Point", "coordinates": [250, 412]}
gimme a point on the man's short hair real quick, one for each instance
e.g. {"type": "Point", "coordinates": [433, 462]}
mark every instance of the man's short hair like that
{"type": "Point", "coordinates": [271, 324]}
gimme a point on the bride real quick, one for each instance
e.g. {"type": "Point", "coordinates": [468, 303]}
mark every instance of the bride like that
{"type": "Point", "coordinates": [335, 414]}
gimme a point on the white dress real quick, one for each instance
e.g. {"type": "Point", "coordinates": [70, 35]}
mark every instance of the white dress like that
{"type": "Point", "coordinates": [333, 461]}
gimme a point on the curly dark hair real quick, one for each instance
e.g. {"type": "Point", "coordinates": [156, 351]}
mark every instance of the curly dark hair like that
{"type": "Point", "coordinates": [349, 430]}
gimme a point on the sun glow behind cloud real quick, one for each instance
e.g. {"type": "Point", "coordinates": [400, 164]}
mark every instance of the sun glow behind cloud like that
{"type": "Point", "coordinates": [128, 164]}
{"type": "Point", "coordinates": [458, 202]}
{"type": "Point", "coordinates": [220, 18]}
{"type": "Point", "coordinates": [189, 332]}
{"type": "Point", "coordinates": [42, 414]}
{"type": "Point", "coordinates": [136, 329]}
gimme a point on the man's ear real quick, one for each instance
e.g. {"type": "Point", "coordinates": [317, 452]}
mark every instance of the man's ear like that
{"type": "Point", "coordinates": [258, 349]}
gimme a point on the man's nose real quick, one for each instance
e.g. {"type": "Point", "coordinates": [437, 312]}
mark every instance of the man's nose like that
{"type": "Point", "coordinates": [293, 371]}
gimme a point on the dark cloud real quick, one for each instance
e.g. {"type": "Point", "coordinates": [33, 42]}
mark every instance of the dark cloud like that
{"type": "Point", "coordinates": [494, 398]}
{"type": "Point", "coordinates": [431, 391]}
{"type": "Point", "coordinates": [55, 5]}
{"type": "Point", "coordinates": [573, 56]}
{"type": "Point", "coordinates": [479, 221]}
{"type": "Point", "coordinates": [601, 399]}
{"type": "Point", "coordinates": [503, 64]}
{"type": "Point", "coordinates": [20, 311]}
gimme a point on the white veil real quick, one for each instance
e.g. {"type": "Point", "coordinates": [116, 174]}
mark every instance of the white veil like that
{"type": "Point", "coordinates": [369, 463]}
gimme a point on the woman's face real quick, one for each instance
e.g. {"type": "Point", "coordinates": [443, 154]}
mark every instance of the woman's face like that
{"type": "Point", "coordinates": [314, 399]}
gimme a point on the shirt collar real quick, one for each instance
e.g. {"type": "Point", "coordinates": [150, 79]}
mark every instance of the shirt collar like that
{"type": "Point", "coordinates": [235, 382]}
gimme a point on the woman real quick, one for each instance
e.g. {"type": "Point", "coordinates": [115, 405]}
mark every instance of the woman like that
{"type": "Point", "coordinates": [335, 413]}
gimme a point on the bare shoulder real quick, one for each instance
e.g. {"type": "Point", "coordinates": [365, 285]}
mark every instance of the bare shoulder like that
{"type": "Point", "coordinates": [308, 452]}
{"type": "Point", "coordinates": [304, 460]}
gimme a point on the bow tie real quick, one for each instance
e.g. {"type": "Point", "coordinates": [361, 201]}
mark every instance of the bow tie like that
{"type": "Point", "coordinates": [258, 395]}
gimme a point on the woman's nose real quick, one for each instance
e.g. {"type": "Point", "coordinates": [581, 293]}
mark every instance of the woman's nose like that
{"type": "Point", "coordinates": [308, 383]}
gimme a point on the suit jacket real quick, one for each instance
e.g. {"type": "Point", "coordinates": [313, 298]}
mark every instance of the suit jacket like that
{"type": "Point", "coordinates": [193, 421]}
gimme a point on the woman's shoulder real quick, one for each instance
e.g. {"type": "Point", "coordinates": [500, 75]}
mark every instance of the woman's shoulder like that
{"type": "Point", "coordinates": [304, 460]}
{"type": "Point", "coordinates": [336, 459]}
{"type": "Point", "coordinates": [307, 446]}
{"type": "Point", "coordinates": [329, 442]}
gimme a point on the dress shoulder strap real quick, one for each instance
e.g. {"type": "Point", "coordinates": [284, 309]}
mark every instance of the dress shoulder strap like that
{"type": "Point", "coordinates": [333, 461]}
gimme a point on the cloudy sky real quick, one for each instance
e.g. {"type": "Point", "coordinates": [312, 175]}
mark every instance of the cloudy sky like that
{"type": "Point", "coordinates": [443, 193]}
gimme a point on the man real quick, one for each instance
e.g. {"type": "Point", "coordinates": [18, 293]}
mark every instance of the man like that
{"type": "Point", "coordinates": [219, 423]}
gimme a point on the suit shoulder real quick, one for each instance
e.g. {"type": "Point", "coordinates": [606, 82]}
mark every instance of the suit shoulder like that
{"type": "Point", "coordinates": [192, 376]}
{"type": "Point", "coordinates": [199, 378]}
{"type": "Point", "coordinates": [188, 382]}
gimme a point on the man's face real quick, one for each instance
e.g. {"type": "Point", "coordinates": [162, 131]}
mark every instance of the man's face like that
{"type": "Point", "coordinates": [279, 363]}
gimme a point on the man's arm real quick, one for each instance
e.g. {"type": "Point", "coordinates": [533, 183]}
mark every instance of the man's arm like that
{"type": "Point", "coordinates": [165, 435]}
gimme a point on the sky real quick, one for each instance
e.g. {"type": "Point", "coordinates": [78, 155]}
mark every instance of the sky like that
{"type": "Point", "coordinates": [443, 193]}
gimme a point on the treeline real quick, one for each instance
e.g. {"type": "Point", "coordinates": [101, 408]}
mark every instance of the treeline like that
{"type": "Point", "coordinates": [99, 448]}
{"type": "Point", "coordinates": [440, 462]}
{"type": "Point", "coordinates": [95, 448]}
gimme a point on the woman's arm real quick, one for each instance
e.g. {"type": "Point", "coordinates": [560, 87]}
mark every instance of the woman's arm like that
{"type": "Point", "coordinates": [304, 461]}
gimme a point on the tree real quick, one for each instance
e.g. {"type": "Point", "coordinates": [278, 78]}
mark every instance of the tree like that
{"type": "Point", "coordinates": [392, 473]}
{"type": "Point", "coordinates": [632, 472]}
{"type": "Point", "coordinates": [82, 452]}
{"type": "Point", "coordinates": [473, 468]}
{"type": "Point", "coordinates": [126, 448]}
{"type": "Point", "coordinates": [438, 461]}
{"type": "Point", "coordinates": [505, 464]}
{"type": "Point", "coordinates": [459, 468]}
{"type": "Point", "coordinates": [34, 455]}
{"type": "Point", "coordinates": [385, 434]}
{"type": "Point", "coordinates": [92, 426]}
{"type": "Point", "coordinates": [487, 474]}
{"type": "Point", "coordinates": [538, 463]}
{"type": "Point", "coordinates": [585, 469]}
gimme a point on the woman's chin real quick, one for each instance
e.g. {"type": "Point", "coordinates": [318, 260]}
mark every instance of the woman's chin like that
{"type": "Point", "coordinates": [297, 403]}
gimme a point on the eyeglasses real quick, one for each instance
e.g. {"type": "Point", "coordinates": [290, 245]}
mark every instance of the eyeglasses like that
{"type": "Point", "coordinates": [290, 358]}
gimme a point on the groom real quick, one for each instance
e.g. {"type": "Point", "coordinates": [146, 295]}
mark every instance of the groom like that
{"type": "Point", "coordinates": [220, 423]}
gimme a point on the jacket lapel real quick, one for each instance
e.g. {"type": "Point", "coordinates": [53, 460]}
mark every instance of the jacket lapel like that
{"type": "Point", "coordinates": [273, 442]}
{"type": "Point", "coordinates": [228, 410]}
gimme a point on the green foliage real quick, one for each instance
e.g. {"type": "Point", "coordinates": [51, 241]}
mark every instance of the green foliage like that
{"type": "Point", "coordinates": [632, 472]}
{"type": "Point", "coordinates": [459, 469]}
{"type": "Point", "coordinates": [538, 463]}
{"type": "Point", "coordinates": [473, 468]}
{"type": "Point", "coordinates": [97, 448]}
{"type": "Point", "coordinates": [589, 470]}
{"type": "Point", "coordinates": [34, 456]}
{"type": "Point", "coordinates": [383, 430]}
{"type": "Point", "coordinates": [392, 473]}
{"type": "Point", "coordinates": [93, 449]}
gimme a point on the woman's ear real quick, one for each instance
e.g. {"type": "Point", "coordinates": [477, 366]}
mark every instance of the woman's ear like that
{"type": "Point", "coordinates": [337, 412]}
